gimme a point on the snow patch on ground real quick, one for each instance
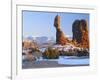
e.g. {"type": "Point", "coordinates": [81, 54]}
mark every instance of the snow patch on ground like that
{"type": "Point", "coordinates": [71, 61]}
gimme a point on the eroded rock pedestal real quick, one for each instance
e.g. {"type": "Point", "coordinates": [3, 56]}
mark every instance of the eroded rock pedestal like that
{"type": "Point", "coordinates": [60, 37]}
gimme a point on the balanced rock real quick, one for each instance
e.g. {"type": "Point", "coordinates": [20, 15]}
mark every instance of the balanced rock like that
{"type": "Point", "coordinates": [60, 37]}
{"type": "Point", "coordinates": [80, 33]}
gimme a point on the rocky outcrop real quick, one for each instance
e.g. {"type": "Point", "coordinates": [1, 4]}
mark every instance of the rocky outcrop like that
{"type": "Point", "coordinates": [60, 38]}
{"type": "Point", "coordinates": [26, 44]}
{"type": "Point", "coordinates": [80, 33]}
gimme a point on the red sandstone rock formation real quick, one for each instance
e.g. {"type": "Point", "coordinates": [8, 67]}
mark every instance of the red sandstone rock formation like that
{"type": "Point", "coordinates": [85, 36]}
{"type": "Point", "coordinates": [29, 44]}
{"type": "Point", "coordinates": [60, 38]}
{"type": "Point", "coordinates": [80, 33]}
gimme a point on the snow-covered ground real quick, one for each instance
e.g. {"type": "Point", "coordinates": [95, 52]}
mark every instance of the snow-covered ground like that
{"type": "Point", "coordinates": [68, 60]}
{"type": "Point", "coordinates": [73, 60]}
{"type": "Point", "coordinates": [66, 47]}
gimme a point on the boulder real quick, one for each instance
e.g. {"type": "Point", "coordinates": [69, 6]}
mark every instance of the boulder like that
{"type": "Point", "coordinates": [26, 44]}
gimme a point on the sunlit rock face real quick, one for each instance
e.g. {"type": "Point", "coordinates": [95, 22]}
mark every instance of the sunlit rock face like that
{"type": "Point", "coordinates": [60, 37]}
{"type": "Point", "coordinates": [28, 44]}
{"type": "Point", "coordinates": [80, 33]}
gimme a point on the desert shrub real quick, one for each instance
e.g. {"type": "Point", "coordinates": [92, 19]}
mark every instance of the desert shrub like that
{"type": "Point", "coordinates": [67, 53]}
{"type": "Point", "coordinates": [82, 53]}
{"type": "Point", "coordinates": [50, 53]}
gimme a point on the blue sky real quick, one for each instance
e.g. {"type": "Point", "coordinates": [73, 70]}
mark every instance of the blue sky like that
{"type": "Point", "coordinates": [41, 23]}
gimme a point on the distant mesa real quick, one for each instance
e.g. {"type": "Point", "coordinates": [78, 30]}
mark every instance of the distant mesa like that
{"type": "Point", "coordinates": [42, 39]}
{"type": "Point", "coordinates": [60, 37]}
